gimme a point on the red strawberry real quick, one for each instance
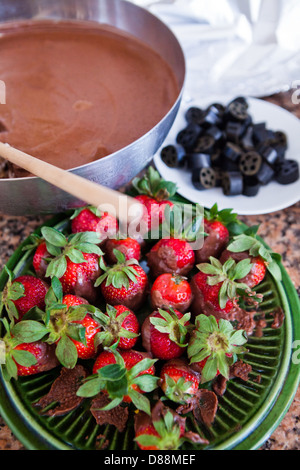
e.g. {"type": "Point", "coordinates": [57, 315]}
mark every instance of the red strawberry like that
{"type": "Point", "coordinates": [165, 334]}
{"type": "Point", "coordinates": [171, 255]}
{"type": "Point", "coordinates": [39, 259]}
{"type": "Point", "coordinates": [125, 283]}
{"type": "Point", "coordinates": [249, 245]}
{"type": "Point", "coordinates": [118, 324]}
{"type": "Point", "coordinates": [216, 289]}
{"type": "Point", "coordinates": [217, 234]}
{"type": "Point", "coordinates": [43, 358]}
{"type": "Point", "coordinates": [258, 270]}
{"type": "Point", "coordinates": [22, 294]}
{"type": "Point", "coordinates": [153, 212]}
{"type": "Point", "coordinates": [178, 381]}
{"type": "Point", "coordinates": [125, 376]}
{"type": "Point", "coordinates": [163, 430]}
{"type": "Point", "coordinates": [87, 348]}
{"type": "Point", "coordinates": [154, 194]}
{"type": "Point", "coordinates": [89, 219]}
{"type": "Point", "coordinates": [214, 346]}
{"type": "Point", "coordinates": [173, 291]}
{"type": "Point", "coordinates": [128, 246]}
{"type": "Point", "coordinates": [73, 260]}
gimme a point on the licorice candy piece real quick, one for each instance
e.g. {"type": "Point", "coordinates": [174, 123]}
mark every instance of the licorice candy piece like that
{"type": "Point", "coordinates": [250, 163]}
{"type": "Point", "coordinates": [232, 152]}
{"type": "Point", "coordinates": [204, 178]}
{"type": "Point", "coordinates": [188, 136]}
{"type": "Point", "coordinates": [269, 154]}
{"type": "Point", "coordinates": [194, 115]}
{"type": "Point", "coordinates": [198, 160]}
{"type": "Point", "coordinates": [173, 156]}
{"type": "Point", "coordinates": [232, 183]}
{"type": "Point", "coordinates": [205, 144]}
{"type": "Point", "coordinates": [265, 174]}
{"type": "Point", "coordinates": [237, 111]}
{"type": "Point", "coordinates": [251, 186]}
{"type": "Point", "coordinates": [234, 131]}
{"type": "Point", "coordinates": [288, 172]}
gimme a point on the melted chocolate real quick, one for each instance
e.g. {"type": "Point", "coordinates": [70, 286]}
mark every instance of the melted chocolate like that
{"type": "Point", "coordinates": [76, 92]}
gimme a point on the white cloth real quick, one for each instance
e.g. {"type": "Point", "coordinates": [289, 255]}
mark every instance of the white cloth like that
{"type": "Point", "coordinates": [235, 47]}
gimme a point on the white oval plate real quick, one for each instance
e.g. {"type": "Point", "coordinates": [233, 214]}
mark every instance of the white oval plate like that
{"type": "Point", "coordinates": [271, 198]}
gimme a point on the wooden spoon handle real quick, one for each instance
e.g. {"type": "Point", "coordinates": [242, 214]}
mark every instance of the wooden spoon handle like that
{"type": "Point", "coordinates": [122, 206]}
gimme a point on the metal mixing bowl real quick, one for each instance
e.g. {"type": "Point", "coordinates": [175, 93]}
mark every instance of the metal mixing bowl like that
{"type": "Point", "coordinates": [28, 196]}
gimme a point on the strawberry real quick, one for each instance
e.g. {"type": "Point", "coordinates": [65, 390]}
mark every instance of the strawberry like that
{"type": "Point", "coordinates": [264, 259]}
{"type": "Point", "coordinates": [73, 260]}
{"type": "Point", "coordinates": [128, 246]}
{"type": "Point", "coordinates": [90, 219]}
{"type": "Point", "coordinates": [214, 347]}
{"type": "Point", "coordinates": [173, 291]}
{"type": "Point", "coordinates": [178, 381]}
{"type": "Point", "coordinates": [119, 324]}
{"type": "Point", "coordinates": [217, 234]}
{"type": "Point", "coordinates": [124, 283]}
{"type": "Point", "coordinates": [216, 289]}
{"type": "Point", "coordinates": [258, 270]}
{"type": "Point", "coordinates": [154, 194]}
{"type": "Point", "coordinates": [72, 328]}
{"type": "Point", "coordinates": [163, 430]}
{"type": "Point", "coordinates": [40, 259]}
{"type": "Point", "coordinates": [21, 294]}
{"type": "Point", "coordinates": [124, 375]}
{"type": "Point", "coordinates": [165, 333]}
{"type": "Point", "coordinates": [25, 351]}
{"type": "Point", "coordinates": [171, 255]}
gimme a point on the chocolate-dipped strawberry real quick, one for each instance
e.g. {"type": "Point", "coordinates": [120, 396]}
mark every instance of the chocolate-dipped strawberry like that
{"type": "Point", "coordinates": [154, 194]}
{"type": "Point", "coordinates": [171, 291]}
{"type": "Point", "coordinates": [248, 245]}
{"type": "Point", "coordinates": [171, 255]}
{"type": "Point", "coordinates": [163, 430]}
{"type": "Point", "coordinates": [21, 294]}
{"type": "Point", "coordinates": [128, 246]}
{"type": "Point", "coordinates": [216, 233]}
{"type": "Point", "coordinates": [26, 352]}
{"type": "Point", "coordinates": [214, 346]}
{"type": "Point", "coordinates": [125, 376]}
{"type": "Point", "coordinates": [179, 381]}
{"type": "Point", "coordinates": [217, 289]}
{"type": "Point", "coordinates": [90, 219]}
{"type": "Point", "coordinates": [165, 333]}
{"type": "Point", "coordinates": [74, 260]}
{"type": "Point", "coordinates": [124, 283]}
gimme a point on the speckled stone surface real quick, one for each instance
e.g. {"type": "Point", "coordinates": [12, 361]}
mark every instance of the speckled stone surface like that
{"type": "Point", "coordinates": [281, 230]}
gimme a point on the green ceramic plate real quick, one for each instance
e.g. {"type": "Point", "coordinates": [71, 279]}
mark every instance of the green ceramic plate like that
{"type": "Point", "coordinates": [248, 412]}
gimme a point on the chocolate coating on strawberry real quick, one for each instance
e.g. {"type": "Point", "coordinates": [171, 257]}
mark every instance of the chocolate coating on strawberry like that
{"type": "Point", "coordinates": [125, 283]}
{"type": "Point", "coordinates": [171, 291]}
{"type": "Point", "coordinates": [171, 255]}
{"type": "Point", "coordinates": [128, 246]}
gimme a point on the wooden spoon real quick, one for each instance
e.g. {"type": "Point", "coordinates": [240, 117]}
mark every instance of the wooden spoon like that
{"type": "Point", "coordinates": [125, 208]}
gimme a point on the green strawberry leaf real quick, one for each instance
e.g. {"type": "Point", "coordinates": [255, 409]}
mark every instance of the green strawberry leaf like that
{"type": "Point", "coordinates": [141, 402]}
{"type": "Point", "coordinates": [66, 352]}
{"type": "Point", "coordinates": [24, 358]}
{"type": "Point", "coordinates": [54, 237]}
{"type": "Point", "coordinates": [28, 331]}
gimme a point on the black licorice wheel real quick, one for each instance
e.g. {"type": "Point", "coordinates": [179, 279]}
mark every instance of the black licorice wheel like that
{"type": "Point", "coordinates": [198, 160]}
{"type": "Point", "coordinates": [204, 178]}
{"type": "Point", "coordinates": [232, 183]}
{"type": "Point", "coordinates": [194, 115]}
{"type": "Point", "coordinates": [188, 136]}
{"type": "Point", "coordinates": [232, 152]}
{"type": "Point", "coordinates": [251, 186]}
{"type": "Point", "coordinates": [173, 156]}
{"type": "Point", "coordinates": [216, 133]}
{"type": "Point", "coordinates": [265, 174]}
{"type": "Point", "coordinates": [288, 172]}
{"type": "Point", "coordinates": [268, 153]}
{"type": "Point", "coordinates": [234, 131]}
{"type": "Point", "coordinates": [250, 163]}
{"type": "Point", "coordinates": [237, 111]}
{"type": "Point", "coordinates": [205, 144]}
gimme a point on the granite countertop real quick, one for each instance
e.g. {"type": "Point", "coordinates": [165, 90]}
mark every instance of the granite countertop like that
{"type": "Point", "coordinates": [281, 230]}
